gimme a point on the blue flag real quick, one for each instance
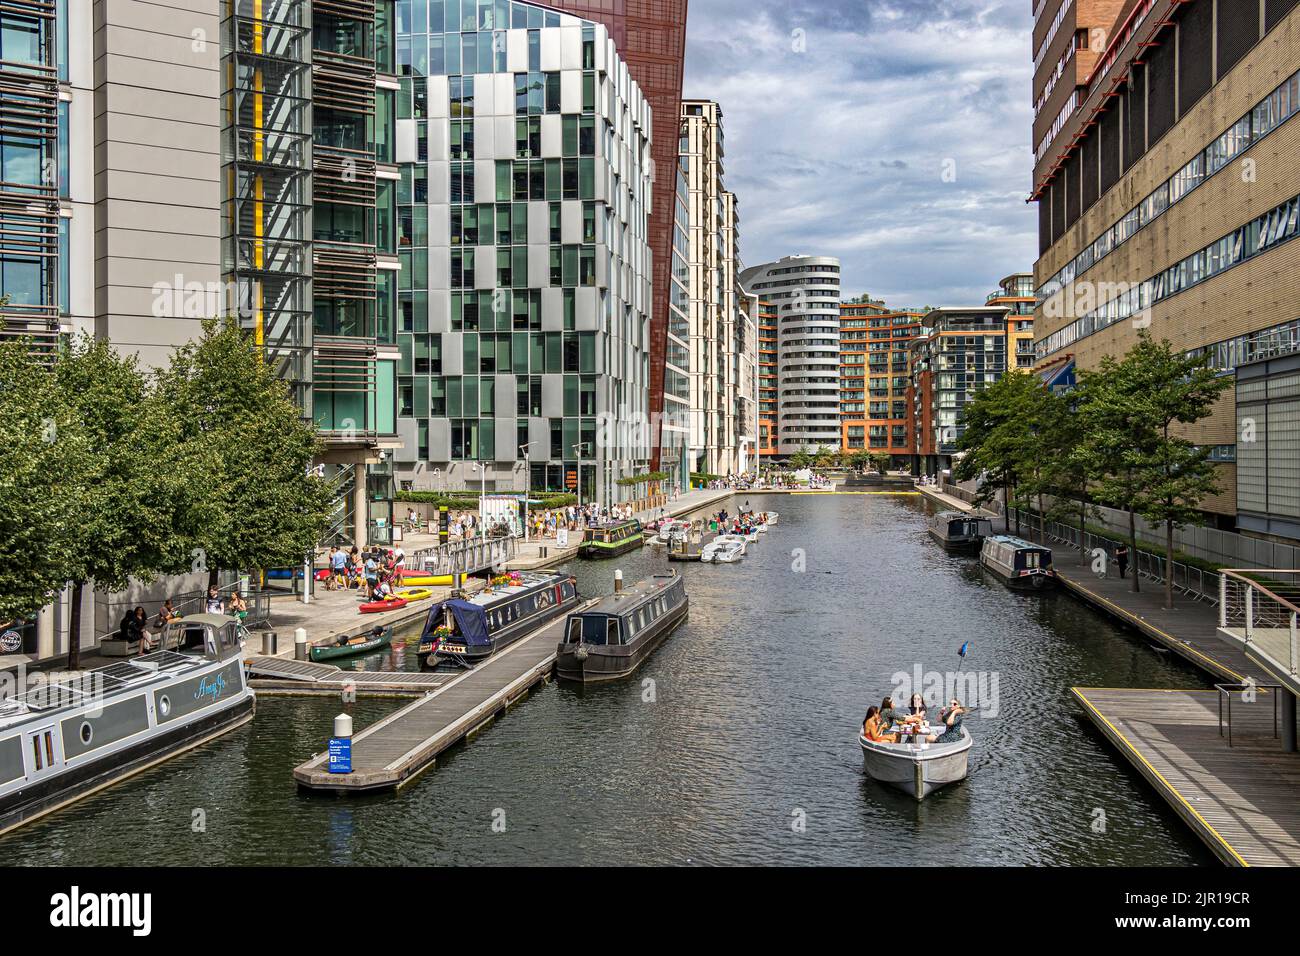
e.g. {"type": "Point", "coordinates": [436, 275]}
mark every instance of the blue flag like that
{"type": "Point", "coordinates": [965, 649]}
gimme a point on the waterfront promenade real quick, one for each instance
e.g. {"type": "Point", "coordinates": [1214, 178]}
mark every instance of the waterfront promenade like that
{"type": "Point", "coordinates": [1239, 798]}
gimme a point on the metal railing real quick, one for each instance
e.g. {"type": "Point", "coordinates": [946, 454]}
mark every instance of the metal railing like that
{"type": "Point", "coordinates": [1225, 695]}
{"type": "Point", "coordinates": [186, 604]}
{"type": "Point", "coordinates": [465, 557]}
{"type": "Point", "coordinates": [1261, 608]}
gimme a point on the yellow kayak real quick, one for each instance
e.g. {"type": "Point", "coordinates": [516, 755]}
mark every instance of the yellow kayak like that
{"type": "Point", "coordinates": [413, 594]}
{"type": "Point", "coordinates": [427, 580]}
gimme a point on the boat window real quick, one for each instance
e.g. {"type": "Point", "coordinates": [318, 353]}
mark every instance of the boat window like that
{"type": "Point", "coordinates": [594, 628]}
{"type": "Point", "coordinates": [210, 641]}
{"type": "Point", "coordinates": [611, 631]}
{"type": "Point", "coordinates": [575, 630]}
{"type": "Point", "coordinates": [1030, 559]}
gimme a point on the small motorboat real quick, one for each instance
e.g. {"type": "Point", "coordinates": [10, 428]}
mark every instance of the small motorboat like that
{"type": "Point", "coordinates": [918, 769]}
{"type": "Point", "coordinates": [376, 607]}
{"type": "Point", "coordinates": [672, 532]}
{"type": "Point", "coordinates": [725, 549]}
{"type": "Point", "coordinates": [345, 645]}
{"type": "Point", "coordinates": [770, 517]}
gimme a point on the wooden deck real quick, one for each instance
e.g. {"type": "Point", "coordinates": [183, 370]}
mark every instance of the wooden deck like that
{"type": "Point", "coordinates": [392, 751]}
{"type": "Point", "coordinates": [1241, 800]}
{"type": "Point", "coordinates": [277, 675]}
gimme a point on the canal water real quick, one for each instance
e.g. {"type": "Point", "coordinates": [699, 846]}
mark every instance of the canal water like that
{"type": "Point", "coordinates": [736, 743]}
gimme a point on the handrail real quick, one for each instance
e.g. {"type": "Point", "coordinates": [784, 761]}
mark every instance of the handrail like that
{"type": "Point", "coordinates": [1227, 690]}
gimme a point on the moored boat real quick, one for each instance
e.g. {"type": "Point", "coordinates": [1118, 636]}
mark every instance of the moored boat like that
{"type": "Point", "coordinates": [917, 769]}
{"type": "Point", "coordinates": [724, 549]}
{"type": "Point", "coordinates": [611, 539]}
{"type": "Point", "coordinates": [77, 733]}
{"type": "Point", "coordinates": [346, 645]}
{"type": "Point", "coordinates": [378, 607]}
{"type": "Point", "coordinates": [1020, 564]}
{"type": "Point", "coordinates": [467, 630]}
{"type": "Point", "coordinates": [613, 637]}
{"type": "Point", "coordinates": [959, 531]}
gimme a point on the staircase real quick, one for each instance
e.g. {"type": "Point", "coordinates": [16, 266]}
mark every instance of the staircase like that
{"type": "Point", "coordinates": [342, 523]}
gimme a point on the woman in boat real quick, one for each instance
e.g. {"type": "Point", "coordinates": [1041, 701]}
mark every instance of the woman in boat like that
{"type": "Point", "coordinates": [915, 709]}
{"type": "Point", "coordinates": [871, 728]}
{"type": "Point", "coordinates": [952, 720]}
{"type": "Point", "coordinates": [887, 714]}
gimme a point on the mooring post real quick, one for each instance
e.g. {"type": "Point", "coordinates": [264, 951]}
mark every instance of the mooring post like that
{"type": "Point", "coordinates": [300, 644]}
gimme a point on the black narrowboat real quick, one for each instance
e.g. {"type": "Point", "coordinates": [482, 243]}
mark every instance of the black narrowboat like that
{"type": "Point", "coordinates": [960, 531]}
{"type": "Point", "coordinates": [613, 637]}
{"type": "Point", "coordinates": [467, 630]}
{"type": "Point", "coordinates": [1020, 564]}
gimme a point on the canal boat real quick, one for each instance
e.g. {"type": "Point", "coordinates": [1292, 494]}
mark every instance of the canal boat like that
{"type": "Point", "coordinates": [917, 769]}
{"type": "Point", "coordinates": [346, 645]}
{"type": "Point", "coordinates": [82, 731]}
{"type": "Point", "coordinates": [613, 637]}
{"type": "Point", "coordinates": [611, 539]}
{"type": "Point", "coordinates": [467, 630]}
{"type": "Point", "coordinates": [959, 531]}
{"type": "Point", "coordinates": [1020, 564]}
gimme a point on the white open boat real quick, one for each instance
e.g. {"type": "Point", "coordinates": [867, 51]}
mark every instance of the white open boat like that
{"type": "Point", "coordinates": [918, 769]}
{"type": "Point", "coordinates": [673, 532]}
{"type": "Point", "coordinates": [724, 549]}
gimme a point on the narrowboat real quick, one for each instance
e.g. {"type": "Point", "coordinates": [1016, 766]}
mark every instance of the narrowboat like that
{"type": "Point", "coordinates": [75, 733]}
{"type": "Point", "coordinates": [918, 769]}
{"type": "Point", "coordinates": [1020, 564]}
{"type": "Point", "coordinates": [346, 645]}
{"type": "Point", "coordinates": [959, 531]}
{"type": "Point", "coordinates": [611, 539]}
{"type": "Point", "coordinates": [613, 637]}
{"type": "Point", "coordinates": [467, 630]}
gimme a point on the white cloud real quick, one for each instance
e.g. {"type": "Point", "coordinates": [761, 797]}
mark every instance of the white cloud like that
{"type": "Point", "coordinates": [840, 149]}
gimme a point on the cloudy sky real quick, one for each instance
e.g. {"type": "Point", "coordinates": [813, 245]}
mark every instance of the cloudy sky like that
{"type": "Point", "coordinates": [838, 137]}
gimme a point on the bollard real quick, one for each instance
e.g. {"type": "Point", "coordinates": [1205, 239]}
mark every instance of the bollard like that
{"type": "Point", "coordinates": [269, 643]}
{"type": "Point", "coordinates": [300, 644]}
{"type": "Point", "coordinates": [618, 581]}
{"type": "Point", "coordinates": [343, 725]}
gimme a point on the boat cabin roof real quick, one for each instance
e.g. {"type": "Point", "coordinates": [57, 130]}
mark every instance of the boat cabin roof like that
{"type": "Point", "coordinates": [629, 599]}
{"type": "Point", "coordinates": [528, 581]}
{"type": "Point", "coordinates": [1020, 544]}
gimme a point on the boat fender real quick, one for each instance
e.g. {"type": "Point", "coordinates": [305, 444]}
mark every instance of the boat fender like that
{"type": "Point", "coordinates": [582, 652]}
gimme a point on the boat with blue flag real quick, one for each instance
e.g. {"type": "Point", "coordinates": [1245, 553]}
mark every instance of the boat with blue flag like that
{"type": "Point", "coordinates": [465, 630]}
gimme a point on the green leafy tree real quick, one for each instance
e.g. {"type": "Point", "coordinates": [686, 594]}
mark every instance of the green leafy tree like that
{"type": "Point", "coordinates": [824, 457]}
{"type": "Point", "coordinates": [880, 461]}
{"type": "Point", "coordinates": [1073, 465]}
{"type": "Point", "coordinates": [800, 459]}
{"type": "Point", "coordinates": [124, 528]}
{"type": "Point", "coordinates": [253, 499]}
{"type": "Point", "coordinates": [998, 438]}
{"type": "Point", "coordinates": [1174, 389]}
{"type": "Point", "coordinates": [42, 475]}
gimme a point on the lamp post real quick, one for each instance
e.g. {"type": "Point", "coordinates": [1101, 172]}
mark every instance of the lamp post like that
{"type": "Point", "coordinates": [528, 478]}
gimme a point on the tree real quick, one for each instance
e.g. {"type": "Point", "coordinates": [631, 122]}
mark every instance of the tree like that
{"type": "Point", "coordinates": [254, 500]}
{"type": "Point", "coordinates": [1129, 418]}
{"type": "Point", "coordinates": [1174, 389]}
{"type": "Point", "coordinates": [124, 527]}
{"type": "Point", "coordinates": [997, 437]}
{"type": "Point", "coordinates": [41, 479]}
{"type": "Point", "coordinates": [880, 461]}
{"type": "Point", "coordinates": [1074, 464]}
{"type": "Point", "coordinates": [800, 459]}
{"type": "Point", "coordinates": [823, 457]}
{"type": "Point", "coordinates": [1051, 434]}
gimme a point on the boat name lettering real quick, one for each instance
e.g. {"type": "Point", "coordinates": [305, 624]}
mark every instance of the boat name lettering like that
{"type": "Point", "coordinates": [212, 688]}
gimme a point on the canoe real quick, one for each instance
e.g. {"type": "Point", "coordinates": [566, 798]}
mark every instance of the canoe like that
{"type": "Point", "coordinates": [413, 594]}
{"type": "Point", "coordinates": [421, 579]}
{"type": "Point", "coordinates": [916, 769]}
{"type": "Point", "coordinates": [358, 644]}
{"type": "Point", "coordinates": [374, 607]}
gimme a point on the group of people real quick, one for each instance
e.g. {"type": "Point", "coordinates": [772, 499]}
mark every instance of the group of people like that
{"type": "Point", "coordinates": [375, 571]}
{"type": "Point", "coordinates": [878, 726]}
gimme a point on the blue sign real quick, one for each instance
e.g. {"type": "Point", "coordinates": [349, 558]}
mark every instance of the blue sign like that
{"type": "Point", "coordinates": [340, 755]}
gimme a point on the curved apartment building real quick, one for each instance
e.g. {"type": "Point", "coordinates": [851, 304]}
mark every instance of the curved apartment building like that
{"type": "Point", "coordinates": [805, 296]}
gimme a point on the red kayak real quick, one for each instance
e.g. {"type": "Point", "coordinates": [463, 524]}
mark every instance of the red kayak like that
{"type": "Point", "coordinates": [374, 607]}
{"type": "Point", "coordinates": [323, 574]}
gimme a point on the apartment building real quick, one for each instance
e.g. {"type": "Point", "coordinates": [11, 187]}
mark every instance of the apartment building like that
{"type": "Point", "coordinates": [768, 394]}
{"type": "Point", "coordinates": [522, 210]}
{"type": "Point", "coordinates": [1168, 193]}
{"type": "Point", "coordinates": [805, 293]}
{"type": "Point", "coordinates": [875, 373]}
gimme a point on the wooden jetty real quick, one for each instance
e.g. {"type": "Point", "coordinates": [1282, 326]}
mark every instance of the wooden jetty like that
{"type": "Point", "coordinates": [276, 675]}
{"type": "Point", "coordinates": [1239, 799]}
{"type": "Point", "coordinates": [391, 751]}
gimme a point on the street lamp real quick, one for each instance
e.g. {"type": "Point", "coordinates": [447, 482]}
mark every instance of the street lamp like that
{"type": "Point", "coordinates": [528, 477]}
